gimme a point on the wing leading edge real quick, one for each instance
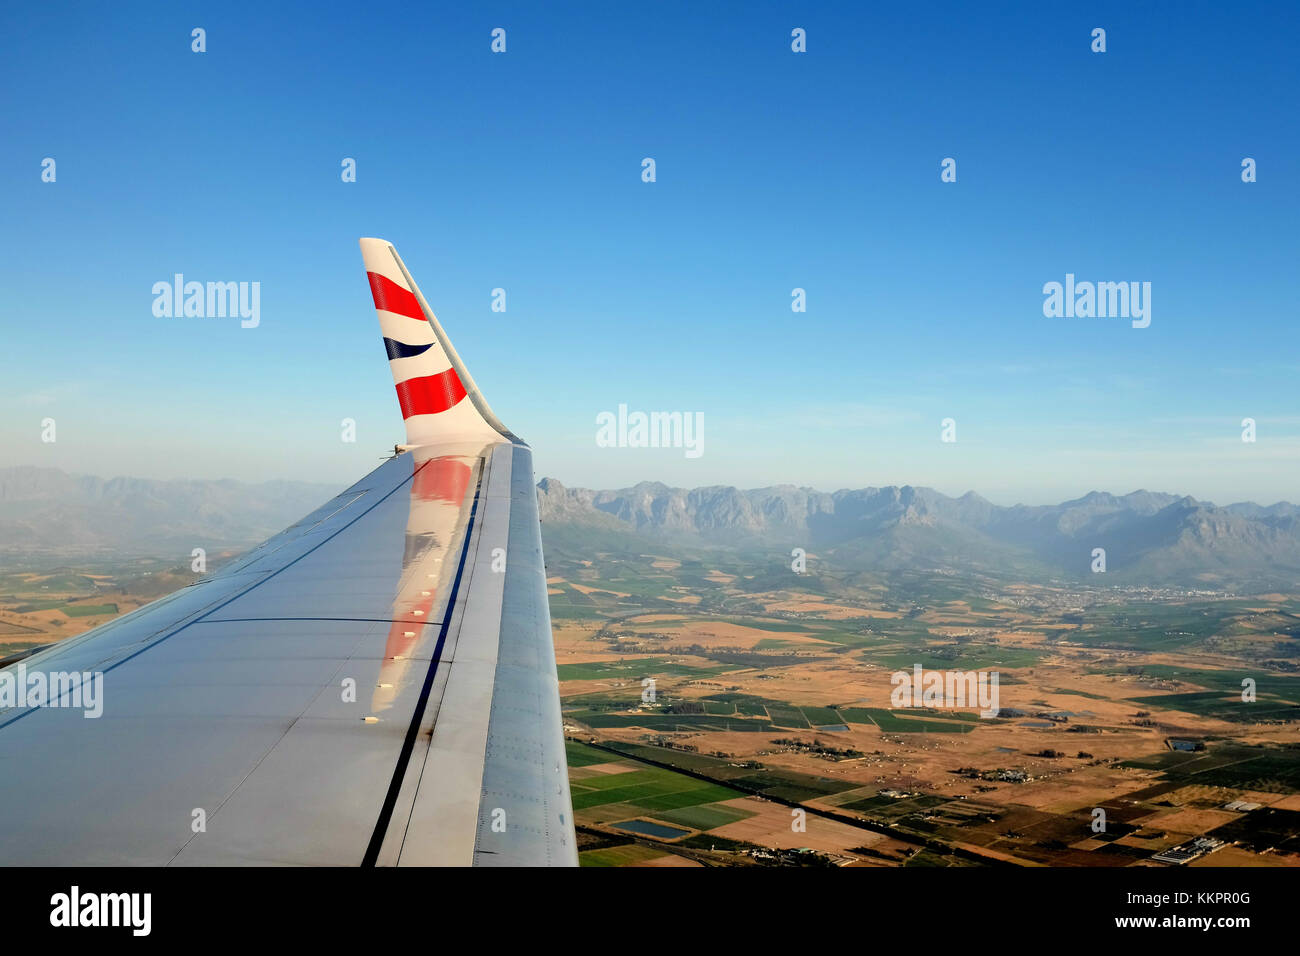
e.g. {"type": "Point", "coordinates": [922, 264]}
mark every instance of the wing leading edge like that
{"type": "Point", "coordinates": [375, 685]}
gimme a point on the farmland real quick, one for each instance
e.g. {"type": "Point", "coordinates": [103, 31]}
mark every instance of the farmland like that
{"type": "Point", "coordinates": [776, 688]}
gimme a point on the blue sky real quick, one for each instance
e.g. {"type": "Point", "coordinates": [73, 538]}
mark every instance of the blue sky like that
{"type": "Point", "coordinates": [775, 170]}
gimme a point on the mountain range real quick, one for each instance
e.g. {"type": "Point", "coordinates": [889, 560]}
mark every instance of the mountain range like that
{"type": "Point", "coordinates": [47, 512]}
{"type": "Point", "coordinates": [1148, 537]}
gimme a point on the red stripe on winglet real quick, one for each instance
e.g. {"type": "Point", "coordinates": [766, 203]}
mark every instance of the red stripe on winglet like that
{"type": "Point", "coordinates": [430, 394]}
{"type": "Point", "coordinates": [441, 479]}
{"type": "Point", "coordinates": [391, 297]}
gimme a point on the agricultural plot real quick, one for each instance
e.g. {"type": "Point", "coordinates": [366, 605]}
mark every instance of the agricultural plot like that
{"type": "Point", "coordinates": [671, 723]}
{"type": "Point", "coordinates": [820, 716]}
{"type": "Point", "coordinates": [911, 722]}
{"type": "Point", "coordinates": [630, 854]}
{"type": "Point", "coordinates": [580, 755]}
{"type": "Point", "coordinates": [1263, 830]}
{"type": "Point", "coordinates": [1231, 708]}
{"type": "Point", "coordinates": [785, 715]}
{"type": "Point", "coordinates": [89, 610]}
{"type": "Point", "coordinates": [705, 817]}
{"type": "Point", "coordinates": [618, 796]}
{"type": "Point", "coordinates": [634, 669]}
{"type": "Point", "coordinates": [966, 657]}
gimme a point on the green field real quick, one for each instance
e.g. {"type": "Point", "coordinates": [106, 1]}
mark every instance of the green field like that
{"type": "Point", "coordinates": [786, 715]}
{"type": "Point", "coordinates": [628, 855]}
{"type": "Point", "coordinates": [580, 755]}
{"type": "Point", "coordinates": [973, 657]}
{"type": "Point", "coordinates": [643, 792]}
{"type": "Point", "coordinates": [822, 715]}
{"type": "Point", "coordinates": [896, 722]}
{"type": "Point", "coordinates": [704, 817]}
{"type": "Point", "coordinates": [670, 722]}
{"type": "Point", "coordinates": [1269, 769]}
{"type": "Point", "coordinates": [88, 610]}
{"type": "Point", "coordinates": [44, 604]}
{"type": "Point", "coordinates": [634, 669]}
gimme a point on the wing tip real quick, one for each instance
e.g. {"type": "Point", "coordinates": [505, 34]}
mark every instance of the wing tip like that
{"type": "Point", "coordinates": [432, 394]}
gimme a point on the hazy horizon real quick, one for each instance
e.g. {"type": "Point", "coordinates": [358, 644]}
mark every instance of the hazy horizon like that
{"type": "Point", "coordinates": [947, 492]}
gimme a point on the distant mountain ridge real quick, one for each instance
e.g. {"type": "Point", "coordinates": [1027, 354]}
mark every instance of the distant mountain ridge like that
{"type": "Point", "coordinates": [1149, 537]}
{"type": "Point", "coordinates": [46, 511]}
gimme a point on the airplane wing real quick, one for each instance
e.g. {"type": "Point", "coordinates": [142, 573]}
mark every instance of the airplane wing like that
{"type": "Point", "coordinates": [375, 685]}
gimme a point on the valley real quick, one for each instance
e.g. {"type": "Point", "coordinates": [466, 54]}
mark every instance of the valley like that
{"type": "Point", "coordinates": [776, 686]}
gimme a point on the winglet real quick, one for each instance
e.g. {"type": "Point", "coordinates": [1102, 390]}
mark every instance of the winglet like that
{"type": "Point", "coordinates": [438, 397]}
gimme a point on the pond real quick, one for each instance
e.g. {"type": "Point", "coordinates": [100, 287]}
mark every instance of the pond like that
{"type": "Point", "coordinates": [645, 827]}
